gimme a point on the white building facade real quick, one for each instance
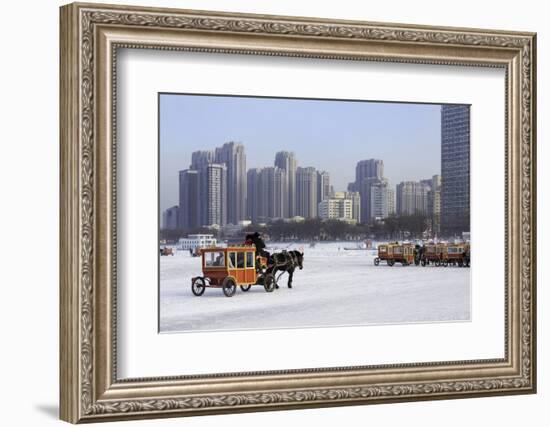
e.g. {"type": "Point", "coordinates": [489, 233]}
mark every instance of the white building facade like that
{"type": "Point", "coordinates": [195, 241]}
{"type": "Point", "coordinates": [342, 206]}
{"type": "Point", "coordinates": [381, 200]}
{"type": "Point", "coordinates": [412, 198]}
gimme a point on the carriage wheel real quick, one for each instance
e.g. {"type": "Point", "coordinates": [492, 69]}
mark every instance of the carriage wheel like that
{"type": "Point", "coordinates": [423, 262]}
{"type": "Point", "coordinates": [229, 287]}
{"type": "Point", "coordinates": [376, 261]}
{"type": "Point", "coordinates": [198, 286]}
{"type": "Point", "coordinates": [391, 262]}
{"type": "Point", "coordinates": [460, 263]}
{"type": "Point", "coordinates": [404, 263]}
{"type": "Point", "coordinates": [269, 282]}
{"type": "Point", "coordinates": [437, 262]}
{"type": "Point", "coordinates": [445, 263]}
{"type": "Point", "coordinates": [245, 288]}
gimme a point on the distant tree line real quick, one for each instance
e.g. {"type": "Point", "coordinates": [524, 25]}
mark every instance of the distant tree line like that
{"type": "Point", "coordinates": [394, 227]}
{"type": "Point", "coordinates": [311, 229]}
{"type": "Point", "coordinates": [400, 226]}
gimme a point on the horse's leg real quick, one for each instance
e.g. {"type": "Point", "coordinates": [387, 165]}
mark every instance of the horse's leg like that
{"type": "Point", "coordinates": [275, 278]}
{"type": "Point", "coordinates": [290, 274]}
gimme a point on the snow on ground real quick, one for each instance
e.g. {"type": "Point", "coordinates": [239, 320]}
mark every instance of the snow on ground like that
{"type": "Point", "coordinates": [337, 287]}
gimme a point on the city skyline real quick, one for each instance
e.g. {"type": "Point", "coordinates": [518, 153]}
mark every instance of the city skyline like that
{"type": "Point", "coordinates": [358, 130]}
{"type": "Point", "coordinates": [207, 192]}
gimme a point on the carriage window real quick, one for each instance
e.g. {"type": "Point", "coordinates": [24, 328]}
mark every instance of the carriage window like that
{"type": "Point", "coordinates": [398, 250]}
{"type": "Point", "coordinates": [232, 261]}
{"type": "Point", "coordinates": [382, 248]}
{"type": "Point", "coordinates": [214, 259]}
{"type": "Point", "coordinates": [240, 259]}
{"type": "Point", "coordinates": [249, 260]}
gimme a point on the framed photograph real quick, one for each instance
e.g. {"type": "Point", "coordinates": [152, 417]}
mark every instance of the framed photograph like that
{"type": "Point", "coordinates": [266, 212]}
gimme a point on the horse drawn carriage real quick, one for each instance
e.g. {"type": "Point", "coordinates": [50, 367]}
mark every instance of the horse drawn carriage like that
{"type": "Point", "coordinates": [395, 252]}
{"type": "Point", "coordinates": [438, 254]}
{"type": "Point", "coordinates": [166, 250]}
{"type": "Point", "coordinates": [227, 268]}
{"type": "Point", "coordinates": [444, 254]}
{"type": "Point", "coordinates": [457, 254]}
{"type": "Point", "coordinates": [242, 266]}
{"type": "Point", "coordinates": [432, 253]}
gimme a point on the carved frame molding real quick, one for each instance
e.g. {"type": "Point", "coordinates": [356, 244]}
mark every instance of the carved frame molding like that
{"type": "Point", "coordinates": [90, 36]}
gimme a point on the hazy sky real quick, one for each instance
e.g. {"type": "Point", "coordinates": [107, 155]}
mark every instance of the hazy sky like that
{"type": "Point", "coordinates": [328, 135]}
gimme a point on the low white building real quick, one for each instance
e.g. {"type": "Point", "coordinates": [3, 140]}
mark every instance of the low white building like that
{"type": "Point", "coordinates": [195, 241]}
{"type": "Point", "coordinates": [342, 205]}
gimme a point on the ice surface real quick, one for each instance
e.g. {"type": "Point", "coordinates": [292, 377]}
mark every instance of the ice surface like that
{"type": "Point", "coordinates": [337, 287]}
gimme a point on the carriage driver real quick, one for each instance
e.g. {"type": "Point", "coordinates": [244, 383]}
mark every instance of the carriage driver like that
{"type": "Point", "coordinates": [256, 240]}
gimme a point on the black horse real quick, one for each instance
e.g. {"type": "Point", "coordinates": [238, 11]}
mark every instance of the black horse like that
{"type": "Point", "coordinates": [285, 261]}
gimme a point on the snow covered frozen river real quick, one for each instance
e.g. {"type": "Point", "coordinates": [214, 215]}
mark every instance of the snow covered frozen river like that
{"type": "Point", "coordinates": [336, 287]}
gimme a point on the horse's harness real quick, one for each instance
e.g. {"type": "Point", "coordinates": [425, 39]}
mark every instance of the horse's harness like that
{"type": "Point", "coordinates": [289, 256]}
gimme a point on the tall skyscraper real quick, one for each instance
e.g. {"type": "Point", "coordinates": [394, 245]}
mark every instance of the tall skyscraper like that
{"type": "Point", "coordinates": [286, 161]}
{"type": "Point", "coordinates": [381, 200]}
{"type": "Point", "coordinates": [364, 188]}
{"type": "Point", "coordinates": [201, 159]}
{"type": "Point", "coordinates": [273, 186]}
{"type": "Point", "coordinates": [434, 208]}
{"type": "Point", "coordinates": [233, 156]}
{"type": "Point", "coordinates": [214, 200]}
{"type": "Point", "coordinates": [306, 192]}
{"type": "Point", "coordinates": [197, 200]}
{"type": "Point", "coordinates": [355, 197]}
{"type": "Point", "coordinates": [412, 198]}
{"type": "Point", "coordinates": [253, 194]}
{"type": "Point", "coordinates": [267, 194]}
{"type": "Point", "coordinates": [455, 169]}
{"type": "Point", "coordinates": [188, 212]}
{"type": "Point", "coordinates": [202, 193]}
{"type": "Point", "coordinates": [436, 181]}
{"type": "Point", "coordinates": [367, 173]}
{"type": "Point", "coordinates": [323, 186]}
{"type": "Point", "coordinates": [391, 200]}
{"type": "Point", "coordinates": [434, 202]}
{"type": "Point", "coordinates": [170, 218]}
{"type": "Point", "coordinates": [371, 168]}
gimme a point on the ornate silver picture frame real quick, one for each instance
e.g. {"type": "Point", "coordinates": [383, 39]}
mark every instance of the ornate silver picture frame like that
{"type": "Point", "coordinates": [91, 36]}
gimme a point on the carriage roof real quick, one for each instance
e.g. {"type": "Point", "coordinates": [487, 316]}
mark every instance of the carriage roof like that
{"type": "Point", "coordinates": [243, 248]}
{"type": "Point", "coordinates": [393, 244]}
